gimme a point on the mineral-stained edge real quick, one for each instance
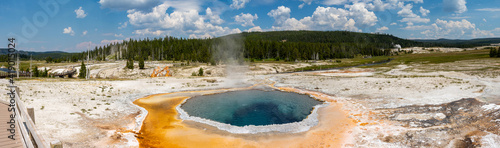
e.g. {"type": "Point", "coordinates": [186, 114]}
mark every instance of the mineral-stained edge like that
{"type": "Point", "coordinates": [294, 127]}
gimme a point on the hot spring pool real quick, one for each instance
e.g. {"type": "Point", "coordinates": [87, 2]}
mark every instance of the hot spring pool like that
{"type": "Point", "coordinates": [251, 107]}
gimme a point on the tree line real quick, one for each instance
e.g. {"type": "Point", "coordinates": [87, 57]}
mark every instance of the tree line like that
{"type": "Point", "coordinates": [285, 45]}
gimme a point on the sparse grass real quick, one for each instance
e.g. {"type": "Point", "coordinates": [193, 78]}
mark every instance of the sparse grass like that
{"type": "Point", "coordinates": [345, 63]}
{"type": "Point", "coordinates": [436, 58]}
{"type": "Point", "coordinates": [427, 58]}
{"type": "Point", "coordinates": [271, 60]}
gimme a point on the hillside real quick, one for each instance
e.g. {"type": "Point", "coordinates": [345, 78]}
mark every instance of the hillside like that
{"type": "Point", "coordinates": [462, 43]}
{"type": "Point", "coordinates": [329, 37]}
{"type": "Point", "coordinates": [25, 55]}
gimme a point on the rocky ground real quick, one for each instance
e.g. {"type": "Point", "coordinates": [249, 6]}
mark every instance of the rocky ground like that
{"type": "Point", "coordinates": [413, 105]}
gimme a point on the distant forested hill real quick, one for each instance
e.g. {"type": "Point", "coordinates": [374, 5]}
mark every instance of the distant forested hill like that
{"type": "Point", "coordinates": [56, 56]}
{"type": "Point", "coordinates": [461, 43]}
{"type": "Point", "coordinates": [381, 40]}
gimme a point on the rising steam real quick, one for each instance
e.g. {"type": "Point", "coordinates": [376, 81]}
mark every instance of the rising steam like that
{"type": "Point", "coordinates": [229, 51]}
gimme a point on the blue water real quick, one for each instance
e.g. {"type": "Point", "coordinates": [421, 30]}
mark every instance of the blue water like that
{"type": "Point", "coordinates": [251, 107]}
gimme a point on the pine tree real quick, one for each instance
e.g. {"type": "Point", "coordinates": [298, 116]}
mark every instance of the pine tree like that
{"type": "Point", "coordinates": [36, 73]}
{"type": "Point", "coordinates": [498, 53]}
{"type": "Point", "coordinates": [45, 73]}
{"type": "Point", "coordinates": [83, 71]}
{"type": "Point", "coordinates": [141, 63]}
{"type": "Point", "coordinates": [493, 52]}
{"type": "Point", "coordinates": [130, 63]}
{"type": "Point", "coordinates": [200, 72]}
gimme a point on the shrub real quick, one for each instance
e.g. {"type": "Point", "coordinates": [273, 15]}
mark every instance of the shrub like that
{"type": "Point", "coordinates": [83, 71]}
{"type": "Point", "coordinates": [493, 52]}
{"type": "Point", "coordinates": [141, 63]}
{"type": "Point", "coordinates": [498, 53]}
{"type": "Point", "coordinates": [130, 64]}
{"type": "Point", "coordinates": [200, 72]}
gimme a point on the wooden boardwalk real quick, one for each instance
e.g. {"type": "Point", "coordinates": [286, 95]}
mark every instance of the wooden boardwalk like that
{"type": "Point", "coordinates": [26, 135]}
{"type": "Point", "coordinates": [4, 118]}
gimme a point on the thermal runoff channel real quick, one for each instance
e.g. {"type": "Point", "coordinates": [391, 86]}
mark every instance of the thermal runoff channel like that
{"type": "Point", "coordinates": [251, 107]}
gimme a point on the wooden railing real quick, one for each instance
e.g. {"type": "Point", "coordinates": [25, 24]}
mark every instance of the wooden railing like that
{"type": "Point", "coordinates": [27, 127]}
{"type": "Point", "coordinates": [22, 74]}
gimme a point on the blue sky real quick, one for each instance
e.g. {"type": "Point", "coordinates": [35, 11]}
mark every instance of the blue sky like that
{"type": "Point", "coordinates": [73, 25]}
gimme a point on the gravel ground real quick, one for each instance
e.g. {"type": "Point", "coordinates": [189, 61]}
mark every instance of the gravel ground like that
{"type": "Point", "coordinates": [401, 106]}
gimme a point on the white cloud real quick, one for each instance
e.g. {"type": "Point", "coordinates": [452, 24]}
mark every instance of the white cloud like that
{"type": "Point", "coordinates": [361, 15]}
{"type": "Point", "coordinates": [455, 29]}
{"type": "Point", "coordinates": [238, 4]}
{"type": "Point", "coordinates": [325, 18]}
{"type": "Point", "coordinates": [375, 5]}
{"type": "Point", "coordinates": [308, 2]}
{"type": "Point", "coordinates": [69, 31]}
{"type": "Point", "coordinates": [415, 1]}
{"type": "Point", "coordinates": [246, 19]}
{"type": "Point", "coordinates": [417, 27]}
{"type": "Point", "coordinates": [80, 13]}
{"type": "Point", "coordinates": [185, 5]}
{"type": "Point", "coordinates": [129, 4]}
{"type": "Point", "coordinates": [301, 5]}
{"type": "Point", "coordinates": [215, 19]}
{"type": "Point", "coordinates": [203, 36]}
{"type": "Point", "coordinates": [147, 31]}
{"type": "Point", "coordinates": [119, 35]}
{"type": "Point", "coordinates": [84, 32]}
{"type": "Point", "coordinates": [382, 29]}
{"type": "Point", "coordinates": [280, 15]}
{"type": "Point", "coordinates": [180, 22]}
{"type": "Point", "coordinates": [83, 46]}
{"type": "Point", "coordinates": [477, 33]}
{"type": "Point", "coordinates": [423, 11]}
{"type": "Point", "coordinates": [123, 25]}
{"type": "Point", "coordinates": [409, 16]}
{"type": "Point", "coordinates": [335, 2]}
{"type": "Point", "coordinates": [484, 20]}
{"type": "Point", "coordinates": [489, 9]}
{"type": "Point", "coordinates": [457, 6]}
{"type": "Point", "coordinates": [406, 11]}
{"type": "Point", "coordinates": [254, 29]}
{"type": "Point", "coordinates": [105, 42]}
{"type": "Point", "coordinates": [147, 5]}
{"type": "Point", "coordinates": [378, 5]}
